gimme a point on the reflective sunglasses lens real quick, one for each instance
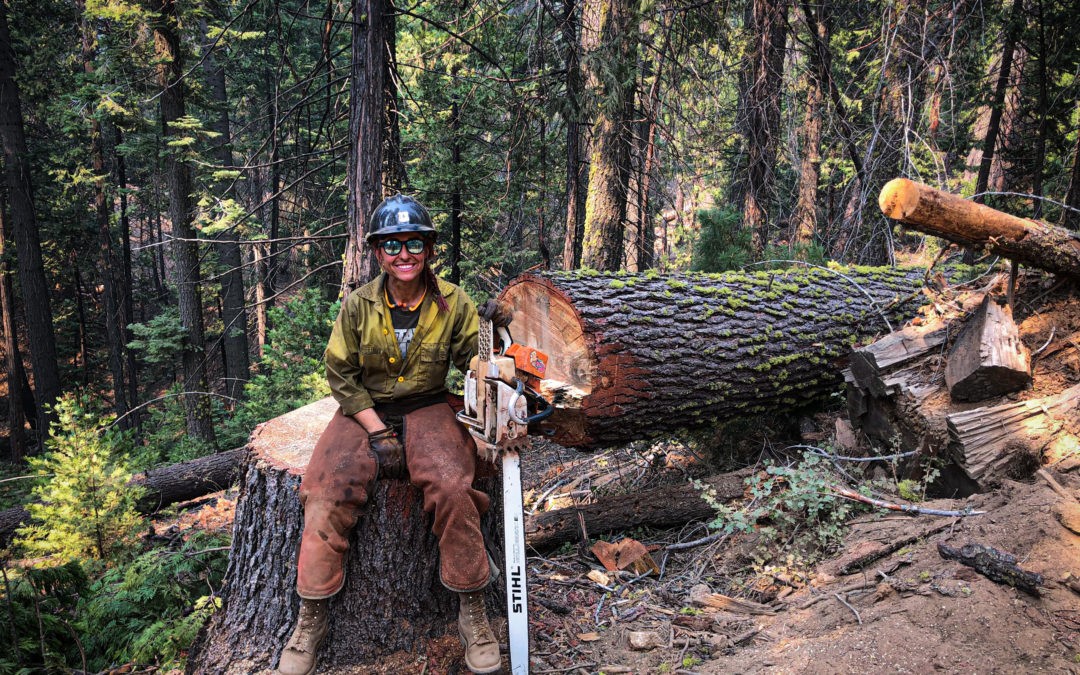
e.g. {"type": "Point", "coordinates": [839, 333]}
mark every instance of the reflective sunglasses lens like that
{"type": "Point", "coordinates": [415, 246]}
{"type": "Point", "coordinates": [391, 247]}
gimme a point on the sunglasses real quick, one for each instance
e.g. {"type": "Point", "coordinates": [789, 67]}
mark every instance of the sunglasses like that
{"type": "Point", "coordinates": [394, 246]}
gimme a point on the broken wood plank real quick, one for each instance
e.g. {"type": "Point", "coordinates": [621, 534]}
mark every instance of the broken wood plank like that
{"type": "Point", "coordinates": [1008, 441]}
{"type": "Point", "coordinates": [988, 359]}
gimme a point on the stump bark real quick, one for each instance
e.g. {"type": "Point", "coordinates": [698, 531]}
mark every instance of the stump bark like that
{"type": "Point", "coordinates": [392, 599]}
{"type": "Point", "coordinates": [634, 355]}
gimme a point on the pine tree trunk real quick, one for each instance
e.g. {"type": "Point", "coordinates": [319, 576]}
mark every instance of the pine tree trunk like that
{"type": "Point", "coordinates": [12, 358]}
{"type": "Point", "coordinates": [367, 131]}
{"type": "Point", "coordinates": [24, 228]}
{"type": "Point", "coordinates": [233, 313]}
{"type": "Point", "coordinates": [392, 599]}
{"type": "Point", "coordinates": [608, 36]}
{"type": "Point", "coordinates": [633, 356]}
{"type": "Point", "coordinates": [184, 247]}
{"type": "Point", "coordinates": [759, 115]}
{"type": "Point", "coordinates": [576, 178]}
{"type": "Point", "coordinates": [106, 245]}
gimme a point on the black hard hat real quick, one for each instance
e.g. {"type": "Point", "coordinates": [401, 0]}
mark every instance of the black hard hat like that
{"type": "Point", "coordinates": [399, 214]}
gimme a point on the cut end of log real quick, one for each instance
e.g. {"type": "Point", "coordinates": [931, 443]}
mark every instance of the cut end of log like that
{"type": "Point", "coordinates": [899, 198]}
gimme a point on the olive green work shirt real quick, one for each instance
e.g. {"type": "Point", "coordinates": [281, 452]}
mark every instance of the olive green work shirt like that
{"type": "Point", "coordinates": [364, 365]}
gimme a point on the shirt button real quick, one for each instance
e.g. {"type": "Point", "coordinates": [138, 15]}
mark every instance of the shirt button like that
{"type": "Point", "coordinates": [393, 360]}
{"type": "Point", "coordinates": [401, 379]}
{"type": "Point", "coordinates": [385, 331]}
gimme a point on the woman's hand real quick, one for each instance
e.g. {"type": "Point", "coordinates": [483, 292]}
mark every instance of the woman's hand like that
{"type": "Point", "coordinates": [389, 452]}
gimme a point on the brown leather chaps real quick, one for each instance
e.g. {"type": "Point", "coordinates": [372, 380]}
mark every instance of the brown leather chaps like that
{"type": "Point", "coordinates": [441, 460]}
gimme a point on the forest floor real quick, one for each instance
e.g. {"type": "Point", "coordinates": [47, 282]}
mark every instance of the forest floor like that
{"type": "Point", "coordinates": [911, 611]}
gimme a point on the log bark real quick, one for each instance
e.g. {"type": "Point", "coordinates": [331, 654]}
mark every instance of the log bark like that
{"type": "Point", "coordinates": [634, 355]}
{"type": "Point", "coordinates": [164, 486]}
{"type": "Point", "coordinates": [946, 215]}
{"type": "Point", "coordinates": [392, 599]}
{"type": "Point", "coordinates": [665, 506]}
{"type": "Point", "coordinates": [988, 358]}
{"type": "Point", "coordinates": [1012, 439]}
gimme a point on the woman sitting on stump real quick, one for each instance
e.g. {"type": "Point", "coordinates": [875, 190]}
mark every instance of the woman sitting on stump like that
{"type": "Point", "coordinates": [386, 363]}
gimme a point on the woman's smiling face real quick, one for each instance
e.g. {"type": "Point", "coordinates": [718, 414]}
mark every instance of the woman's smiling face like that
{"type": "Point", "coordinates": [404, 267]}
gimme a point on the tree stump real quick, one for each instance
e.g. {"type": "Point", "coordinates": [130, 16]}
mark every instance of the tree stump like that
{"type": "Point", "coordinates": [392, 599]}
{"type": "Point", "coordinates": [633, 355]}
{"type": "Point", "coordinates": [988, 358]}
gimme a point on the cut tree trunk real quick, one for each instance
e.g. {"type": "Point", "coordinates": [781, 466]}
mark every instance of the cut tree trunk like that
{"type": "Point", "coordinates": [988, 358]}
{"type": "Point", "coordinates": [665, 506]}
{"type": "Point", "coordinates": [1012, 440]}
{"type": "Point", "coordinates": [632, 356]}
{"type": "Point", "coordinates": [946, 215]}
{"type": "Point", "coordinates": [392, 599]}
{"type": "Point", "coordinates": [164, 486]}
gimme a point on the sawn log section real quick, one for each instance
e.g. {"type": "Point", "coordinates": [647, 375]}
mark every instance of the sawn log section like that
{"type": "Point", "coordinates": [636, 355]}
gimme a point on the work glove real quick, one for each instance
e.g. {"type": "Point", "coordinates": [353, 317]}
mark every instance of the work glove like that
{"type": "Point", "coordinates": [498, 313]}
{"type": "Point", "coordinates": [389, 452]}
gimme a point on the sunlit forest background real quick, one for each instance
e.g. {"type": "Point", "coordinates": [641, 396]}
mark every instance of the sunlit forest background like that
{"type": "Point", "coordinates": [186, 184]}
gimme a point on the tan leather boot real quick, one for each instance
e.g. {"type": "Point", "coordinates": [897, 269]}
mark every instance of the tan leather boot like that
{"type": "Point", "coordinates": [298, 657]}
{"type": "Point", "coordinates": [481, 647]}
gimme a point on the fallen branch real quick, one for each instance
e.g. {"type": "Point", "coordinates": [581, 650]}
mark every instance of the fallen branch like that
{"type": "Point", "coordinates": [997, 566]}
{"type": "Point", "coordinates": [906, 508]}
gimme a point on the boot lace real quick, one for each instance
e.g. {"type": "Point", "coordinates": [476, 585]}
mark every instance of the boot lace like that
{"type": "Point", "coordinates": [309, 620]}
{"type": "Point", "coordinates": [478, 623]}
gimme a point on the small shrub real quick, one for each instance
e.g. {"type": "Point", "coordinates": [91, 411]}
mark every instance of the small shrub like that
{"type": "Point", "coordinates": [85, 507]}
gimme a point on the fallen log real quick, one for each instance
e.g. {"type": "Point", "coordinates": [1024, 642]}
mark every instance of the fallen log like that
{"type": "Point", "coordinates": [164, 486]}
{"type": "Point", "coordinates": [665, 506]}
{"type": "Point", "coordinates": [959, 220]}
{"type": "Point", "coordinates": [634, 355]}
{"type": "Point", "coordinates": [988, 359]}
{"type": "Point", "coordinates": [996, 565]}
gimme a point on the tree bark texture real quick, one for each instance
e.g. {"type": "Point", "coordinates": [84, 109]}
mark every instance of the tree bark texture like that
{"type": "Point", "coordinates": [609, 39]}
{"type": "Point", "coordinates": [367, 131]}
{"type": "Point", "coordinates": [632, 356]}
{"type": "Point", "coordinates": [13, 367]}
{"type": "Point", "coordinates": [184, 248]}
{"type": "Point", "coordinates": [946, 215]}
{"type": "Point", "coordinates": [666, 506]}
{"type": "Point", "coordinates": [392, 599]}
{"type": "Point", "coordinates": [759, 113]}
{"type": "Point", "coordinates": [805, 217]}
{"type": "Point", "coordinates": [24, 228]}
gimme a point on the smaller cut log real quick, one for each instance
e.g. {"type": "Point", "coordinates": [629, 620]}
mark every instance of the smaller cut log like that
{"type": "Point", "coordinates": [665, 506]}
{"type": "Point", "coordinates": [1009, 441]}
{"type": "Point", "coordinates": [951, 217]}
{"type": "Point", "coordinates": [988, 359]}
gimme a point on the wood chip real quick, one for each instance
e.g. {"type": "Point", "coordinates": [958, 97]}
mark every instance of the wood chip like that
{"type": "Point", "coordinates": [643, 640]}
{"type": "Point", "coordinates": [599, 577]}
{"type": "Point", "coordinates": [588, 637]}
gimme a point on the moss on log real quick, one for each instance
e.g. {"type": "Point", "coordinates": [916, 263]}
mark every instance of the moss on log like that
{"type": "Point", "coordinates": [633, 355]}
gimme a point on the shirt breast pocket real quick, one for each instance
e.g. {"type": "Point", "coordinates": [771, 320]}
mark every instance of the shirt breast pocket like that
{"type": "Point", "coordinates": [434, 359]}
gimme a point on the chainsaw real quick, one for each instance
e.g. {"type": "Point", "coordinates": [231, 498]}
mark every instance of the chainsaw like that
{"type": "Point", "coordinates": [498, 390]}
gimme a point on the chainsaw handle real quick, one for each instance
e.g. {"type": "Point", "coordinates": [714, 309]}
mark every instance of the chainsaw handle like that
{"type": "Point", "coordinates": [519, 390]}
{"type": "Point", "coordinates": [504, 337]}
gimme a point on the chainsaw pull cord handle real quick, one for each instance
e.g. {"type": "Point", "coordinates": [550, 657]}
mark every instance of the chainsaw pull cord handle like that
{"type": "Point", "coordinates": [519, 391]}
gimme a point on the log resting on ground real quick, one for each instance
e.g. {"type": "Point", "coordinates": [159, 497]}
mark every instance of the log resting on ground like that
{"type": "Point", "coordinates": [634, 355]}
{"type": "Point", "coordinates": [665, 506]}
{"type": "Point", "coordinates": [951, 217]}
